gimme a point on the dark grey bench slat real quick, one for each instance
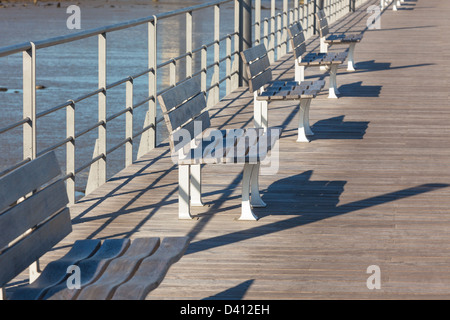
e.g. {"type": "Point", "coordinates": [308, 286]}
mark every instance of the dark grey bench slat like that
{"type": "Point", "coordinates": [120, 270]}
{"type": "Point", "coordinates": [209, 152]}
{"type": "Point", "coordinates": [42, 205]}
{"type": "Point", "coordinates": [152, 270]}
{"type": "Point", "coordinates": [22, 254]}
{"type": "Point", "coordinates": [27, 178]}
{"type": "Point", "coordinates": [56, 271]}
{"type": "Point", "coordinates": [90, 269]}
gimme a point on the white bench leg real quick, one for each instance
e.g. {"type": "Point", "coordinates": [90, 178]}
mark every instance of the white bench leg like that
{"type": "Point", "coordinates": [256, 200]}
{"type": "Point", "coordinates": [184, 192]}
{"type": "Point", "coordinates": [34, 271]}
{"type": "Point", "coordinates": [246, 208]}
{"type": "Point", "coordinates": [299, 72]}
{"type": "Point", "coordinates": [2, 294]}
{"type": "Point", "coordinates": [260, 112]}
{"type": "Point", "coordinates": [323, 49]}
{"type": "Point", "coordinates": [302, 121]}
{"type": "Point", "coordinates": [196, 185]}
{"type": "Point", "coordinates": [351, 57]}
{"type": "Point", "coordinates": [308, 129]}
{"type": "Point", "coordinates": [332, 90]}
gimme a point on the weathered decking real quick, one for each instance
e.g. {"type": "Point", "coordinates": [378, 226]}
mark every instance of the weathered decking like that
{"type": "Point", "coordinates": [371, 188]}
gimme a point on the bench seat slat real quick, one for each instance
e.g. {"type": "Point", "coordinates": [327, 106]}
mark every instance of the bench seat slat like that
{"type": "Point", "coordinates": [56, 271]}
{"type": "Point", "coordinates": [29, 249]}
{"type": "Point", "coordinates": [152, 270]}
{"type": "Point", "coordinates": [120, 270]}
{"type": "Point", "coordinates": [91, 268]}
{"type": "Point", "coordinates": [212, 153]}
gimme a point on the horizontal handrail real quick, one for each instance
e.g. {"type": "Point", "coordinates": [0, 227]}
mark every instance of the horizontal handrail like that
{"type": "Point", "coordinates": [5, 51]}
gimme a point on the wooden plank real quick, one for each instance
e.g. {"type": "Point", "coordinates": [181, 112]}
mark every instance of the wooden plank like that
{"type": "Point", "coordinates": [28, 178]}
{"type": "Point", "coordinates": [190, 130]}
{"type": "Point", "coordinates": [177, 95]}
{"type": "Point", "coordinates": [258, 66]}
{"type": "Point", "coordinates": [32, 211]}
{"type": "Point", "coordinates": [90, 269]}
{"type": "Point", "coordinates": [56, 271]}
{"type": "Point", "coordinates": [22, 254]}
{"type": "Point", "coordinates": [187, 111]}
{"type": "Point", "coordinates": [120, 270]}
{"type": "Point", "coordinates": [254, 53]}
{"type": "Point", "coordinates": [152, 269]}
{"type": "Point", "coordinates": [260, 80]}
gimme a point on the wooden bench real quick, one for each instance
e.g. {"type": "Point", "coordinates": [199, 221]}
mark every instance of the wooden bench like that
{"type": "Point", "coordinates": [194, 143]}
{"type": "Point", "coordinates": [327, 39]}
{"type": "Point", "coordinates": [265, 90]}
{"type": "Point", "coordinates": [112, 269]}
{"type": "Point", "coordinates": [330, 60]}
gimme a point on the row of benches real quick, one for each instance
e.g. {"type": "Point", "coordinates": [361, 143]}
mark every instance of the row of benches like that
{"type": "Point", "coordinates": [34, 216]}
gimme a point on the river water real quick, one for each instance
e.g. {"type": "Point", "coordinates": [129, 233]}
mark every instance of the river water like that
{"type": "Point", "coordinates": [71, 70]}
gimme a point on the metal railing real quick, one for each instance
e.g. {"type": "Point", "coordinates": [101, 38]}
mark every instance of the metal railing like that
{"type": "Point", "coordinates": [271, 30]}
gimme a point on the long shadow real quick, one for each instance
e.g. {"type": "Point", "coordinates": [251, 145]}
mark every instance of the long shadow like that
{"type": "Point", "coordinates": [337, 128]}
{"type": "Point", "coordinates": [309, 201]}
{"type": "Point", "coordinates": [356, 89]}
{"type": "Point", "coordinates": [234, 293]}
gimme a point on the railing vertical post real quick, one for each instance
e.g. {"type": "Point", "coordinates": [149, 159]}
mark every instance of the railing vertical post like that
{"type": "Point", "coordinates": [284, 28]}
{"type": "Point", "coordinates": [314, 17]}
{"type": "Point", "coordinates": [29, 102]}
{"type": "Point", "coordinates": [148, 138]}
{"type": "Point", "coordinates": [266, 35]}
{"type": "Point", "coordinates": [272, 32]}
{"type": "Point", "coordinates": [70, 152]}
{"type": "Point", "coordinates": [279, 27]}
{"type": "Point", "coordinates": [203, 67]}
{"type": "Point", "coordinates": [152, 83]}
{"type": "Point", "coordinates": [129, 123]}
{"type": "Point", "coordinates": [228, 65]}
{"type": "Point", "coordinates": [189, 44]}
{"type": "Point", "coordinates": [216, 77]}
{"type": "Point", "coordinates": [173, 73]}
{"type": "Point", "coordinates": [29, 128]}
{"type": "Point", "coordinates": [237, 59]}
{"type": "Point", "coordinates": [257, 21]}
{"type": "Point", "coordinates": [102, 108]}
{"type": "Point", "coordinates": [245, 33]}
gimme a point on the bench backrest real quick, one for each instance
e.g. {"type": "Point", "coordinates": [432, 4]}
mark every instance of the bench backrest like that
{"type": "Point", "coordinates": [183, 107]}
{"type": "Point", "coordinates": [258, 66]}
{"type": "Point", "coordinates": [30, 228]}
{"type": "Point", "coordinates": [297, 38]}
{"type": "Point", "coordinates": [322, 23]}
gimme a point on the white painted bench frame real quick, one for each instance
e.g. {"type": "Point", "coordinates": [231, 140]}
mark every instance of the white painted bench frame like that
{"type": "Point", "coordinates": [298, 44]}
{"type": "Point", "coordinates": [323, 32]}
{"type": "Point", "coordinates": [260, 75]}
{"type": "Point", "coordinates": [182, 106]}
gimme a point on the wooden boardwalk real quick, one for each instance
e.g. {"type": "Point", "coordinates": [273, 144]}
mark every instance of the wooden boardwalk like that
{"type": "Point", "coordinates": [371, 188]}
